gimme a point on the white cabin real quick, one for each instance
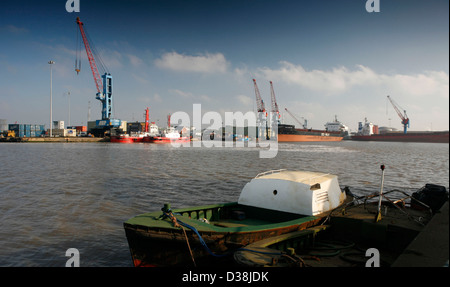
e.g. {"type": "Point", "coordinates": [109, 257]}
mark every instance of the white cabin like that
{"type": "Point", "coordinates": [300, 192]}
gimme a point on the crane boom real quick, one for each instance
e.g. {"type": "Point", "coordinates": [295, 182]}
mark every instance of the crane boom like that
{"type": "Point", "coordinates": [104, 87]}
{"type": "Point", "coordinates": [274, 102]}
{"type": "Point", "coordinates": [95, 73]}
{"type": "Point", "coordinates": [259, 101]}
{"type": "Point", "coordinates": [403, 117]}
{"type": "Point", "coordinates": [304, 125]}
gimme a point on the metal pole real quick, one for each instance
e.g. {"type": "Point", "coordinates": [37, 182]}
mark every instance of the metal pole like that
{"type": "Point", "coordinates": [69, 107]}
{"type": "Point", "coordinates": [378, 216]}
{"type": "Point", "coordinates": [51, 87]}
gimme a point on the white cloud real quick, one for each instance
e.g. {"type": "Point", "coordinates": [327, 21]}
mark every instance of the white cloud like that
{"type": "Point", "coordinates": [134, 60]}
{"type": "Point", "coordinates": [359, 92]}
{"type": "Point", "coordinates": [245, 100]}
{"type": "Point", "coordinates": [181, 93]}
{"type": "Point", "coordinates": [208, 63]}
{"type": "Point", "coordinates": [341, 80]}
{"type": "Point", "coordinates": [14, 29]}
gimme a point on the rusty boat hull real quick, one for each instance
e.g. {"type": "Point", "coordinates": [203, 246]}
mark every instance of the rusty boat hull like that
{"type": "Point", "coordinates": [156, 241]}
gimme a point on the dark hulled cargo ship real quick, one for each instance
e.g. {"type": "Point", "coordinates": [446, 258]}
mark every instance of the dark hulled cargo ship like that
{"type": "Point", "coordinates": [424, 137]}
{"type": "Point", "coordinates": [288, 133]}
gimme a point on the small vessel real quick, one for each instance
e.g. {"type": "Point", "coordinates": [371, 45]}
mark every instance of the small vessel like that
{"type": "Point", "coordinates": [271, 204]}
{"type": "Point", "coordinates": [151, 129]}
{"type": "Point", "coordinates": [169, 135]}
{"type": "Point", "coordinates": [126, 138]}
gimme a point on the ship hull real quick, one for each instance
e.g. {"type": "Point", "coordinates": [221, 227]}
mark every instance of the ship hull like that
{"type": "Point", "coordinates": [165, 140]}
{"type": "Point", "coordinates": [115, 139]}
{"type": "Point", "coordinates": [288, 133]}
{"type": "Point", "coordinates": [307, 138]}
{"type": "Point", "coordinates": [431, 137]}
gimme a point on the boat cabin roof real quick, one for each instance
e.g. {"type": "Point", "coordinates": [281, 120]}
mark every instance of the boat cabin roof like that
{"type": "Point", "coordinates": [306, 177]}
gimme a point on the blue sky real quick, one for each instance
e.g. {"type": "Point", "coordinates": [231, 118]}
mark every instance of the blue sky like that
{"type": "Point", "coordinates": [325, 58]}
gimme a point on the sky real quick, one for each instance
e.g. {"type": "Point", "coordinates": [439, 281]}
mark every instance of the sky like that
{"type": "Point", "coordinates": [326, 59]}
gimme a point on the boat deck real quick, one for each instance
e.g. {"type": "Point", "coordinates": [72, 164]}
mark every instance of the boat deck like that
{"type": "Point", "coordinates": [403, 237]}
{"type": "Point", "coordinates": [430, 247]}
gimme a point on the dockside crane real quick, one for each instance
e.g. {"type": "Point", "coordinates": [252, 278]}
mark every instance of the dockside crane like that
{"type": "Point", "coordinates": [304, 125]}
{"type": "Point", "coordinates": [103, 83]}
{"type": "Point", "coordinates": [259, 102]}
{"type": "Point", "coordinates": [403, 117]}
{"type": "Point", "coordinates": [275, 109]}
{"type": "Point", "coordinates": [262, 114]}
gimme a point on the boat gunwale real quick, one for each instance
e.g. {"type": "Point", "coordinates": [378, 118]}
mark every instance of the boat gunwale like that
{"type": "Point", "coordinates": [153, 220]}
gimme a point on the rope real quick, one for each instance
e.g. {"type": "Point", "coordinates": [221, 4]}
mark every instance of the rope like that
{"type": "Point", "coordinates": [175, 223]}
{"type": "Point", "coordinates": [179, 223]}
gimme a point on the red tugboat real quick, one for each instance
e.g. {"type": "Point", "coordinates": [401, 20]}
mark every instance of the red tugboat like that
{"type": "Point", "coordinates": [150, 129]}
{"type": "Point", "coordinates": [170, 135]}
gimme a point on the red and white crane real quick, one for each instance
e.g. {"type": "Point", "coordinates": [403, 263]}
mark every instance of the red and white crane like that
{"type": "Point", "coordinates": [103, 83]}
{"type": "Point", "coordinates": [275, 109]}
{"type": "Point", "coordinates": [259, 102]}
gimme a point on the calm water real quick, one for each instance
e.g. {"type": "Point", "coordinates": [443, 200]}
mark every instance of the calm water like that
{"type": "Point", "coordinates": [55, 196]}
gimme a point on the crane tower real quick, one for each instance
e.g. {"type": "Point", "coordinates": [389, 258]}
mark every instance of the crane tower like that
{"type": "Point", "coordinates": [103, 84]}
{"type": "Point", "coordinates": [403, 117]}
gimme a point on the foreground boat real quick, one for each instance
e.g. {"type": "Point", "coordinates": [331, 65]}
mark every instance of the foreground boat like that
{"type": "Point", "coordinates": [271, 204]}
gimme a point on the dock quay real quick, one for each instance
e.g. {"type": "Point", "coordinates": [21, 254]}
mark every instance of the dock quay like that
{"type": "Point", "coordinates": [56, 139]}
{"type": "Point", "coordinates": [430, 247]}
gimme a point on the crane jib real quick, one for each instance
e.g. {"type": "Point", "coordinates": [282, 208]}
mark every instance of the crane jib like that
{"type": "Point", "coordinates": [103, 83]}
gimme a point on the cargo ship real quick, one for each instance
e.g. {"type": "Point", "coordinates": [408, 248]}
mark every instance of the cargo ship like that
{"type": "Point", "coordinates": [371, 132]}
{"type": "Point", "coordinates": [288, 133]}
{"type": "Point", "coordinates": [421, 137]}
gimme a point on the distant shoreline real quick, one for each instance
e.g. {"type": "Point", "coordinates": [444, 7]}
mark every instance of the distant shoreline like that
{"type": "Point", "coordinates": [55, 140]}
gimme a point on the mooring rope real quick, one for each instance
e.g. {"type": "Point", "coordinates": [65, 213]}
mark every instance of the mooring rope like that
{"type": "Point", "coordinates": [180, 223]}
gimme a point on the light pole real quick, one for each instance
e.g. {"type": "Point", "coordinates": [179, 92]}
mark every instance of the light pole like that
{"type": "Point", "coordinates": [68, 94]}
{"type": "Point", "coordinates": [51, 116]}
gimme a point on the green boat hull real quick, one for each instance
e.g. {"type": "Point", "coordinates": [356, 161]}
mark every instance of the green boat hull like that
{"type": "Point", "coordinates": [210, 233]}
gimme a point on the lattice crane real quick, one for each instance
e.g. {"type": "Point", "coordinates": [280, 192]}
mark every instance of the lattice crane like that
{"type": "Point", "coordinates": [103, 83]}
{"type": "Point", "coordinates": [404, 117]}
{"type": "Point", "coordinates": [275, 109]}
{"type": "Point", "coordinates": [259, 101]}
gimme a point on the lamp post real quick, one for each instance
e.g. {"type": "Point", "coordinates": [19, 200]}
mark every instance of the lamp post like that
{"type": "Point", "coordinates": [51, 116]}
{"type": "Point", "coordinates": [68, 94]}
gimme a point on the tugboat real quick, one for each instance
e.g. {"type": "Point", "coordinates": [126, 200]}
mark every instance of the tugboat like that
{"type": "Point", "coordinates": [170, 135]}
{"type": "Point", "coordinates": [137, 137]}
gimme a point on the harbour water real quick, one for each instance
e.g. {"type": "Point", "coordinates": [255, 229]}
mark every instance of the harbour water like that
{"type": "Point", "coordinates": [56, 196]}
